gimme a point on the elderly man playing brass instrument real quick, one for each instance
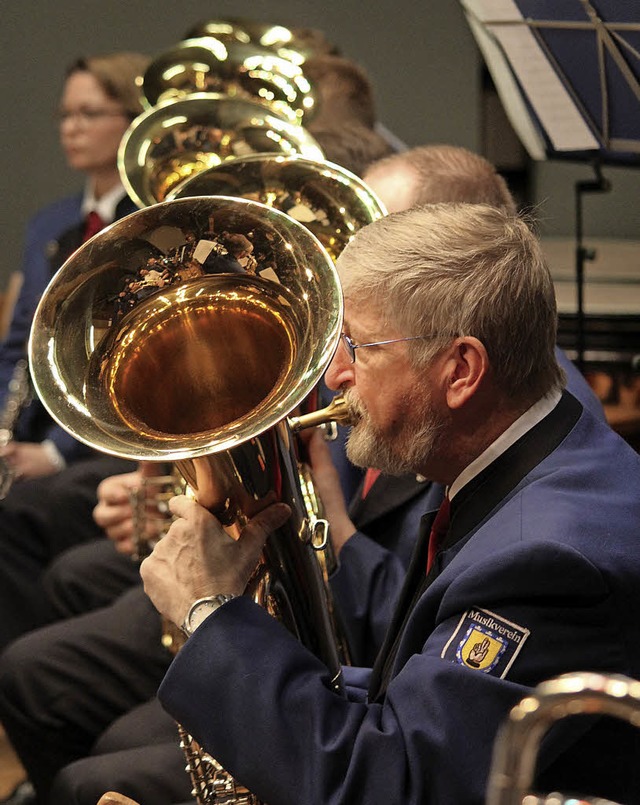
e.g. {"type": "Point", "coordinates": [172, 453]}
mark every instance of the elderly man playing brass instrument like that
{"type": "Point", "coordinates": [447, 361]}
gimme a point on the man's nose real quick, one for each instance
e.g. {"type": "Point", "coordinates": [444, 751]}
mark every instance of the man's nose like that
{"type": "Point", "coordinates": [340, 371]}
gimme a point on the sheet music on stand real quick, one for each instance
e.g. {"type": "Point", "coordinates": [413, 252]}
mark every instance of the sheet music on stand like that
{"type": "Point", "coordinates": [515, 60]}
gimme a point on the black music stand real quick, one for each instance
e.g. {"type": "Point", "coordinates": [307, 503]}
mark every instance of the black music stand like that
{"type": "Point", "coordinates": [568, 75]}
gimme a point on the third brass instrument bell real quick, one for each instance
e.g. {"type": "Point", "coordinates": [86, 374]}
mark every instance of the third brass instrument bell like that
{"type": "Point", "coordinates": [235, 69]}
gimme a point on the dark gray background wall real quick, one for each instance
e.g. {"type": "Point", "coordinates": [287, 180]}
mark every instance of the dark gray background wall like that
{"type": "Point", "coordinates": [419, 53]}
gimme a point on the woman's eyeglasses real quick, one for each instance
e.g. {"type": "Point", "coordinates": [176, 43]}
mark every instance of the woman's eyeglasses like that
{"type": "Point", "coordinates": [87, 116]}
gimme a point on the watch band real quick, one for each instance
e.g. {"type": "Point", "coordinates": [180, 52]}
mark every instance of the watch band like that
{"type": "Point", "coordinates": [201, 609]}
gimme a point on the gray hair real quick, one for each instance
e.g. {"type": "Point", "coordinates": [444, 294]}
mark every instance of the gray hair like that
{"type": "Point", "coordinates": [461, 270]}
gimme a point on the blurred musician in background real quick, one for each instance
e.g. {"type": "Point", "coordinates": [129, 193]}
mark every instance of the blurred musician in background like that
{"type": "Point", "coordinates": [345, 125]}
{"type": "Point", "coordinates": [99, 100]}
{"type": "Point", "coordinates": [49, 504]}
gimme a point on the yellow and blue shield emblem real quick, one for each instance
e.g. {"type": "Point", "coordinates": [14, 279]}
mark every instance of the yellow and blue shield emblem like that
{"type": "Point", "coordinates": [485, 641]}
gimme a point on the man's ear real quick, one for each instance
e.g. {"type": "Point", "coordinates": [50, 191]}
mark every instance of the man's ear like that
{"type": "Point", "coordinates": [468, 364]}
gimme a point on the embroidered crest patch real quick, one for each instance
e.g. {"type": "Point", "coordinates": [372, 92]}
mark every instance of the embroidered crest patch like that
{"type": "Point", "coordinates": [485, 642]}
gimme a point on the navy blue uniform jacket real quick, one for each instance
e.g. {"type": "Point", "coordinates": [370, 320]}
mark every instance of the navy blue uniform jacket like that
{"type": "Point", "coordinates": [52, 236]}
{"type": "Point", "coordinates": [539, 575]}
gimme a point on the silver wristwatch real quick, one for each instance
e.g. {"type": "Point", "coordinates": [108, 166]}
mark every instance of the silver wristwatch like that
{"type": "Point", "coordinates": [201, 609]}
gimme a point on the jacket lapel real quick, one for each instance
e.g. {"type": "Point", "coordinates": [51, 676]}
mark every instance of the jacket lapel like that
{"type": "Point", "coordinates": [64, 246]}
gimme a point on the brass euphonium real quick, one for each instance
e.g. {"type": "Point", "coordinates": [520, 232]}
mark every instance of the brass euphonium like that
{"type": "Point", "coordinates": [153, 343]}
{"type": "Point", "coordinates": [515, 753]}
{"type": "Point", "coordinates": [333, 204]}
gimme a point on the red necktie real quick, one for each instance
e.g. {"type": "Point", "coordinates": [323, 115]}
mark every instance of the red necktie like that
{"type": "Point", "coordinates": [370, 477]}
{"type": "Point", "coordinates": [93, 225]}
{"type": "Point", "coordinates": [438, 531]}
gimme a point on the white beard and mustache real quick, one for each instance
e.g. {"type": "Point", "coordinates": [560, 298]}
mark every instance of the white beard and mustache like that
{"type": "Point", "coordinates": [367, 446]}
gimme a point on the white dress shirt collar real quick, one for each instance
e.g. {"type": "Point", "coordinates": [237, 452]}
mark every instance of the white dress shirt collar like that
{"type": "Point", "coordinates": [106, 205]}
{"type": "Point", "coordinates": [531, 417]}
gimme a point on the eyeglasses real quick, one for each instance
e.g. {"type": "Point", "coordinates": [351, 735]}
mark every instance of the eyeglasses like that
{"type": "Point", "coordinates": [87, 116]}
{"type": "Point", "coordinates": [351, 346]}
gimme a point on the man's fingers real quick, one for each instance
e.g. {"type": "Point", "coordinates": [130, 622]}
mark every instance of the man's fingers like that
{"type": "Point", "coordinates": [181, 505]}
{"type": "Point", "coordinates": [253, 534]}
{"type": "Point", "coordinates": [120, 531]}
{"type": "Point", "coordinates": [108, 515]}
{"type": "Point", "coordinates": [264, 523]}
